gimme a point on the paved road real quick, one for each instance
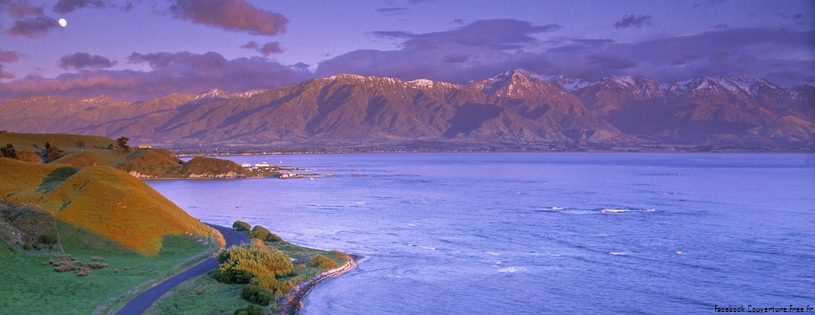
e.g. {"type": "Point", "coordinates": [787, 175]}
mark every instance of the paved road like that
{"type": "Point", "coordinates": [139, 304]}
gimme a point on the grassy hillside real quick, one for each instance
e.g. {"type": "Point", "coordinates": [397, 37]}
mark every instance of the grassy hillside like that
{"type": "Point", "coordinates": [99, 199]}
{"type": "Point", "coordinates": [209, 167]}
{"type": "Point", "coordinates": [35, 142]}
{"type": "Point", "coordinates": [151, 163]}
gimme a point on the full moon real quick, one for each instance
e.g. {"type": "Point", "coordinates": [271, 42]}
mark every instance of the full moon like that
{"type": "Point", "coordinates": [62, 22]}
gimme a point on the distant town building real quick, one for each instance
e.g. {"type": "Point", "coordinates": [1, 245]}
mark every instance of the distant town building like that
{"type": "Point", "coordinates": [143, 147]}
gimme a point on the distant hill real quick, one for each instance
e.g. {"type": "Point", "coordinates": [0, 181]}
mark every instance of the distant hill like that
{"type": "Point", "coordinates": [99, 199]}
{"type": "Point", "coordinates": [516, 107]}
{"type": "Point", "coordinates": [83, 151]}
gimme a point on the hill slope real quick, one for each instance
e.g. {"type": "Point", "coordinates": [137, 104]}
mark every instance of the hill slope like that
{"type": "Point", "coordinates": [105, 201]}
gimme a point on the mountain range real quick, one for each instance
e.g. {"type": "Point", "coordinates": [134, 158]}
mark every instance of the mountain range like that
{"type": "Point", "coordinates": [515, 107]}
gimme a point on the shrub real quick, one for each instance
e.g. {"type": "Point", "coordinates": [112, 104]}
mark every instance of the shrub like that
{"type": "Point", "coordinates": [241, 226]}
{"type": "Point", "coordinates": [340, 255]}
{"type": "Point", "coordinates": [26, 246]}
{"type": "Point", "coordinates": [257, 294]}
{"type": "Point", "coordinates": [239, 264]}
{"type": "Point", "coordinates": [52, 153]}
{"type": "Point", "coordinates": [249, 310]}
{"type": "Point", "coordinates": [322, 262]}
{"type": "Point", "coordinates": [46, 239]}
{"type": "Point", "coordinates": [270, 283]}
{"type": "Point", "coordinates": [262, 233]}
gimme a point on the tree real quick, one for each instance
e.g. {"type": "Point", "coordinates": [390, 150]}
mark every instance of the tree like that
{"type": "Point", "coordinates": [122, 143]}
{"type": "Point", "coordinates": [241, 226]}
{"type": "Point", "coordinates": [9, 151]}
{"type": "Point", "coordinates": [52, 153]}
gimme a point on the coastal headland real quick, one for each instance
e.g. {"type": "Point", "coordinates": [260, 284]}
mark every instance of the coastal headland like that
{"type": "Point", "coordinates": [104, 234]}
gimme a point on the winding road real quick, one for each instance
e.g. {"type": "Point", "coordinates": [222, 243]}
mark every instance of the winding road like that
{"type": "Point", "coordinates": [140, 303]}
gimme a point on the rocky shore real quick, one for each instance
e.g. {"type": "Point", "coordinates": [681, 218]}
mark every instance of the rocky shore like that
{"type": "Point", "coordinates": [292, 302]}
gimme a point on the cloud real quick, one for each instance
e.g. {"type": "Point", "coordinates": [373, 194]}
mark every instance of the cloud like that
{"type": "Point", "coordinates": [80, 61]}
{"type": "Point", "coordinates": [610, 61]}
{"type": "Point", "coordinates": [32, 27]}
{"type": "Point", "coordinates": [67, 6]}
{"type": "Point", "coordinates": [20, 8]}
{"type": "Point", "coordinates": [9, 56]}
{"type": "Point", "coordinates": [633, 20]}
{"type": "Point", "coordinates": [230, 15]}
{"type": "Point", "coordinates": [456, 58]}
{"type": "Point", "coordinates": [180, 72]}
{"type": "Point", "coordinates": [499, 34]}
{"type": "Point", "coordinates": [5, 75]}
{"type": "Point", "coordinates": [266, 49]}
{"type": "Point", "coordinates": [476, 51]}
{"type": "Point", "coordinates": [391, 9]}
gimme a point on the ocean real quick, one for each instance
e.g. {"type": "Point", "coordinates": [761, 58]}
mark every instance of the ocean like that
{"type": "Point", "coordinates": [538, 233]}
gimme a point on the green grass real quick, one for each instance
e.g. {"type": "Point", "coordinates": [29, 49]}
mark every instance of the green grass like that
{"type": "Point", "coordinates": [201, 295]}
{"type": "Point", "coordinates": [220, 298]}
{"type": "Point", "coordinates": [28, 287]}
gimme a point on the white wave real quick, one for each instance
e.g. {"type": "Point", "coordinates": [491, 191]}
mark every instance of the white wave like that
{"type": "Point", "coordinates": [619, 254]}
{"type": "Point", "coordinates": [614, 210]}
{"type": "Point", "coordinates": [513, 269]}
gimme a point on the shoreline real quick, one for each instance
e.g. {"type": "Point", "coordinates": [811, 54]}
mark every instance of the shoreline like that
{"type": "Point", "coordinates": [292, 302]}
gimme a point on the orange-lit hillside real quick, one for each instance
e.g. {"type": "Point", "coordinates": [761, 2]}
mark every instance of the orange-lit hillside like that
{"type": "Point", "coordinates": [100, 199]}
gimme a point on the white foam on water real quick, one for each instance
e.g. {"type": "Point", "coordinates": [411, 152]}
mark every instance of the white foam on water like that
{"type": "Point", "coordinates": [513, 269]}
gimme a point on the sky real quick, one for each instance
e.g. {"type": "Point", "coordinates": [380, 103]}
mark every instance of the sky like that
{"type": "Point", "coordinates": [141, 49]}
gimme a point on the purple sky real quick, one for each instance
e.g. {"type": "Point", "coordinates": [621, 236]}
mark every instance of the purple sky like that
{"type": "Point", "coordinates": [139, 49]}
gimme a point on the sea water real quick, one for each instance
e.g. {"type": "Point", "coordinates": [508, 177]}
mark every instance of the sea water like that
{"type": "Point", "coordinates": [538, 233]}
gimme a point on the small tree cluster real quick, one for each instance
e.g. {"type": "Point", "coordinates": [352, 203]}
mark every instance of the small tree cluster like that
{"type": "Point", "coordinates": [241, 226]}
{"type": "Point", "coordinates": [264, 234]}
{"type": "Point", "coordinates": [46, 239]}
{"type": "Point", "coordinates": [239, 264]}
{"type": "Point", "coordinates": [272, 284]}
{"type": "Point", "coordinates": [121, 143]}
{"type": "Point", "coordinates": [257, 294]}
{"type": "Point", "coordinates": [323, 262]}
{"type": "Point", "coordinates": [8, 151]}
{"type": "Point", "coordinates": [52, 153]}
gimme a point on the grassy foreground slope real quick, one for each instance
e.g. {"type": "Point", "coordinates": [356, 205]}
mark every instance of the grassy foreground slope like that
{"type": "Point", "coordinates": [105, 201]}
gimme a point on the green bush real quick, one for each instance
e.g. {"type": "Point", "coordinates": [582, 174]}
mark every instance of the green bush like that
{"type": "Point", "coordinates": [239, 264]}
{"type": "Point", "coordinates": [46, 239]}
{"type": "Point", "coordinates": [27, 246]}
{"type": "Point", "coordinates": [270, 283]}
{"type": "Point", "coordinates": [257, 294]}
{"type": "Point", "coordinates": [262, 233]}
{"type": "Point", "coordinates": [241, 226]}
{"type": "Point", "coordinates": [323, 262]}
{"type": "Point", "coordinates": [249, 310]}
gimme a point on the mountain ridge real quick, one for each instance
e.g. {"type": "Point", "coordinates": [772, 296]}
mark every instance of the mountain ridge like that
{"type": "Point", "coordinates": [514, 106]}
